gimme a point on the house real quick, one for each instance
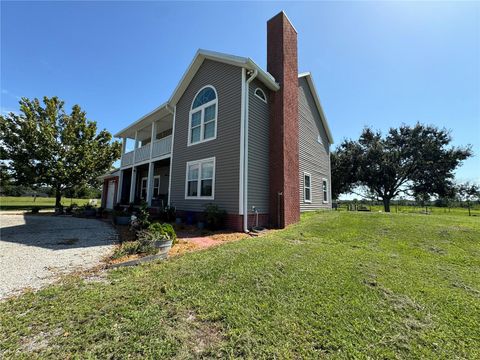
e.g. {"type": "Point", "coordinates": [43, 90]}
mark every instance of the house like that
{"type": "Point", "coordinates": [254, 142]}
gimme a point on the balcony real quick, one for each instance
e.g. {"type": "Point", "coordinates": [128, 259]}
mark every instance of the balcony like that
{"type": "Point", "coordinates": [127, 159]}
{"type": "Point", "coordinates": [161, 147]}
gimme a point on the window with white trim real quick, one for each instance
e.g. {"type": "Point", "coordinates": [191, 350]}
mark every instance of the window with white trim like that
{"type": "Point", "coordinates": [156, 185]}
{"type": "Point", "coordinates": [200, 179]}
{"type": "Point", "coordinates": [203, 116]}
{"type": "Point", "coordinates": [260, 94]}
{"type": "Point", "coordinates": [307, 188]}
{"type": "Point", "coordinates": [143, 188]}
{"type": "Point", "coordinates": [325, 190]}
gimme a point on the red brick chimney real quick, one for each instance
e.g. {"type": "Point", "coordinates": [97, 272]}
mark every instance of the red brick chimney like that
{"type": "Point", "coordinates": [284, 171]}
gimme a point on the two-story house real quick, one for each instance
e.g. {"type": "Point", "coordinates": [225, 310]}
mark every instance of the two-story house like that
{"type": "Point", "coordinates": [254, 142]}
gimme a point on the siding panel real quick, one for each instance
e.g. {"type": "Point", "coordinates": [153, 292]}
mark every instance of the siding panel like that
{"type": "Point", "coordinates": [258, 150]}
{"type": "Point", "coordinates": [314, 157]}
{"type": "Point", "coordinates": [226, 147]}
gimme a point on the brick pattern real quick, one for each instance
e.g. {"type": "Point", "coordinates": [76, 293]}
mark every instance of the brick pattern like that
{"type": "Point", "coordinates": [284, 156]}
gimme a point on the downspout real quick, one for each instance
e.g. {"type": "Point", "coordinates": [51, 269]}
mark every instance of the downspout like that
{"type": "Point", "coordinates": [245, 157]}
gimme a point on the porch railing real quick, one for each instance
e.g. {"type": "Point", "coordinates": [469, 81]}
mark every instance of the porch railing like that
{"type": "Point", "coordinates": [142, 153]}
{"type": "Point", "coordinates": [127, 158]}
{"type": "Point", "coordinates": [162, 146]}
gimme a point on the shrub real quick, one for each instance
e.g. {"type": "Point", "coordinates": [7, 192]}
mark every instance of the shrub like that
{"type": "Point", "coordinates": [134, 247]}
{"type": "Point", "coordinates": [158, 231]}
{"type": "Point", "coordinates": [214, 216]}
{"type": "Point", "coordinates": [168, 214]}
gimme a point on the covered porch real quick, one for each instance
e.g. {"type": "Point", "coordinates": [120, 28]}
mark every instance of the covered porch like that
{"type": "Point", "coordinates": [148, 138]}
{"type": "Point", "coordinates": [146, 182]}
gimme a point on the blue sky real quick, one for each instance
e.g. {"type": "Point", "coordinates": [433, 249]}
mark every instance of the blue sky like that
{"type": "Point", "coordinates": [374, 63]}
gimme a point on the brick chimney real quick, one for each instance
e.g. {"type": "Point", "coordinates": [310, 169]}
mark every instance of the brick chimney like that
{"type": "Point", "coordinates": [284, 169]}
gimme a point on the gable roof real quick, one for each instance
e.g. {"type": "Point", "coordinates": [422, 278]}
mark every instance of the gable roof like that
{"type": "Point", "coordinates": [313, 90]}
{"type": "Point", "coordinates": [187, 77]}
{"type": "Point", "coordinates": [202, 55]}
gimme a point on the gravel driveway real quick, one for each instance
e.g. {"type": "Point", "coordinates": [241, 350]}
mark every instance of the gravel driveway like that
{"type": "Point", "coordinates": [36, 250]}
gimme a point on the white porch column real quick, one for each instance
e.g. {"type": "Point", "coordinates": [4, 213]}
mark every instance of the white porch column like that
{"type": "Point", "coordinates": [119, 188]}
{"type": "Point", "coordinates": [135, 147]}
{"type": "Point", "coordinates": [152, 137]}
{"type": "Point", "coordinates": [133, 184]}
{"type": "Point", "coordinates": [151, 167]}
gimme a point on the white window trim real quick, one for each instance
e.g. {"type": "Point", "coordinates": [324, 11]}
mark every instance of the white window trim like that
{"type": "Point", "coordinates": [153, 187]}
{"type": "Point", "coordinates": [199, 181]}
{"type": "Point", "coordinates": [305, 187]}
{"type": "Point", "coordinates": [202, 117]}
{"type": "Point", "coordinates": [141, 187]}
{"type": "Point", "coordinates": [264, 99]}
{"type": "Point", "coordinates": [323, 194]}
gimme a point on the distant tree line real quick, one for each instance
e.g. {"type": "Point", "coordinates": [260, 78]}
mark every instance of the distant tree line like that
{"type": "Point", "coordinates": [414, 161]}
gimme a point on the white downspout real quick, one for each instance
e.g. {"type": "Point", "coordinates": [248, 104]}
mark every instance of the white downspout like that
{"type": "Point", "coordinates": [245, 157]}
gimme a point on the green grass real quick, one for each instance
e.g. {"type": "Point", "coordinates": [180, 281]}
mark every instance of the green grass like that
{"type": "Point", "coordinates": [26, 202]}
{"type": "Point", "coordinates": [339, 284]}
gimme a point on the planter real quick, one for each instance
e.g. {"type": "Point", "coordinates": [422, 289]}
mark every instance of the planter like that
{"type": "Point", "coordinates": [163, 246]}
{"type": "Point", "coordinates": [201, 225]}
{"type": "Point", "coordinates": [178, 221]}
{"type": "Point", "coordinates": [90, 213]}
{"type": "Point", "coordinates": [123, 220]}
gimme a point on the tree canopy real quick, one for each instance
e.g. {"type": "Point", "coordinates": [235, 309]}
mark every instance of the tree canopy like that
{"type": "Point", "coordinates": [43, 145]}
{"type": "Point", "coordinates": [415, 160]}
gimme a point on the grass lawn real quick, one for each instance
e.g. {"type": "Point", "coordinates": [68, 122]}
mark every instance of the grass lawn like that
{"type": "Point", "coordinates": [26, 202]}
{"type": "Point", "coordinates": [339, 284]}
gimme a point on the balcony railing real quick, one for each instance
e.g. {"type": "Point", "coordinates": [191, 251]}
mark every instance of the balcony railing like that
{"type": "Point", "coordinates": [142, 153]}
{"type": "Point", "coordinates": [162, 146]}
{"type": "Point", "coordinates": [127, 158]}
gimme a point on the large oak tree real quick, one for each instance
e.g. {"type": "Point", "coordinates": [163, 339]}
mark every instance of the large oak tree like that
{"type": "Point", "coordinates": [43, 145]}
{"type": "Point", "coordinates": [411, 159]}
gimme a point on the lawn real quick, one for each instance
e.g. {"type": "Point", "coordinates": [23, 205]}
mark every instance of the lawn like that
{"type": "Point", "coordinates": [27, 202]}
{"type": "Point", "coordinates": [339, 284]}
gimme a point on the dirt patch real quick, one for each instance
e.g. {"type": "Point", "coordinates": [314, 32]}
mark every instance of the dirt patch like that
{"type": "Point", "coordinates": [40, 341]}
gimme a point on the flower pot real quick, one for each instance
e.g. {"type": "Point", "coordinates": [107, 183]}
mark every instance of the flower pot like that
{"type": "Point", "coordinates": [178, 221]}
{"type": "Point", "coordinates": [89, 212]}
{"type": "Point", "coordinates": [201, 225]}
{"type": "Point", "coordinates": [163, 246]}
{"type": "Point", "coordinates": [122, 220]}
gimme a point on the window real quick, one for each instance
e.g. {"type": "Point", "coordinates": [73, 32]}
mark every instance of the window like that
{"type": "Point", "coordinates": [325, 190]}
{"type": "Point", "coordinates": [203, 116]}
{"type": "Point", "coordinates": [200, 180]}
{"type": "Point", "coordinates": [307, 187]}
{"type": "Point", "coordinates": [143, 188]}
{"type": "Point", "coordinates": [260, 94]}
{"type": "Point", "coordinates": [156, 185]}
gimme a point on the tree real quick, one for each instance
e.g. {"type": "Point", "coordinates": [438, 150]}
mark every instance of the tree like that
{"type": "Point", "coordinates": [47, 146]}
{"type": "Point", "coordinates": [412, 160]}
{"type": "Point", "coordinates": [467, 193]}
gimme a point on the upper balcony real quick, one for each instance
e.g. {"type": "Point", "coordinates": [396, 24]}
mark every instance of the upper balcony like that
{"type": "Point", "coordinates": [151, 137]}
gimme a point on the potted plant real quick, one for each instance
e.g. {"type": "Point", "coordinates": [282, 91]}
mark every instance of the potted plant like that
{"type": "Point", "coordinates": [121, 216]}
{"type": "Point", "coordinates": [160, 236]}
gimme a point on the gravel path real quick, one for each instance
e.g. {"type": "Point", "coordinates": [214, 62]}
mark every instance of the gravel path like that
{"type": "Point", "coordinates": [37, 250]}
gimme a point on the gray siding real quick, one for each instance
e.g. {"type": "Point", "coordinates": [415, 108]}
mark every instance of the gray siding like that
{"type": "Point", "coordinates": [227, 80]}
{"type": "Point", "coordinates": [314, 157]}
{"type": "Point", "coordinates": [258, 150]}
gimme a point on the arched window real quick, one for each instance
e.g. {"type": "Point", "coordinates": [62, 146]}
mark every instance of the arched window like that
{"type": "Point", "coordinates": [203, 116]}
{"type": "Point", "coordinates": [260, 94]}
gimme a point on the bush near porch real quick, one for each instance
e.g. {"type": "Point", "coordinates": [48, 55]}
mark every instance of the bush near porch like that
{"type": "Point", "coordinates": [339, 284]}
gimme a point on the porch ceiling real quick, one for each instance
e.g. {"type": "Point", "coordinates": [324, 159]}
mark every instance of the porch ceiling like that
{"type": "Point", "coordinates": [159, 113]}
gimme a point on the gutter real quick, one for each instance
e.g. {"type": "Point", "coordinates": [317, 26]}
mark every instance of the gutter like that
{"type": "Point", "coordinates": [245, 152]}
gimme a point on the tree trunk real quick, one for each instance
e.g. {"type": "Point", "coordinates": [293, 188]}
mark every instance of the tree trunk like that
{"type": "Point", "coordinates": [386, 205]}
{"type": "Point", "coordinates": [469, 213]}
{"type": "Point", "coordinates": [58, 197]}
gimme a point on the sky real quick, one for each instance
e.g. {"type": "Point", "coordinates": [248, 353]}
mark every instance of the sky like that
{"type": "Point", "coordinates": [377, 64]}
